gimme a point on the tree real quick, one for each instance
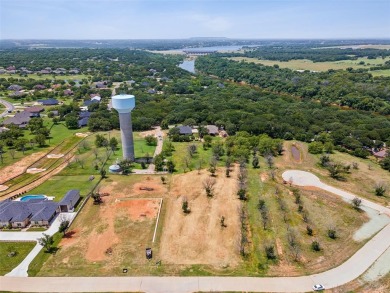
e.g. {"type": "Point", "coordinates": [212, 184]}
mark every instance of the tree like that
{"type": "Point", "coordinates": [46, 241]}
{"type": "Point", "coordinates": [126, 166]}
{"type": "Point", "coordinates": [309, 230]}
{"type": "Point", "coordinates": [63, 227]}
{"type": "Point", "coordinates": [100, 141]}
{"type": "Point", "coordinates": [255, 162]}
{"type": "Point", "coordinates": [103, 173]}
{"type": "Point", "coordinates": [151, 140]}
{"type": "Point", "coordinates": [222, 222]}
{"type": "Point", "coordinates": [208, 185]}
{"type": "Point", "coordinates": [113, 143]}
{"type": "Point", "coordinates": [184, 206]}
{"type": "Point", "coordinates": [270, 251]}
{"type": "Point", "coordinates": [40, 139]}
{"type": "Point", "coordinates": [35, 124]}
{"type": "Point", "coordinates": [71, 122]}
{"type": "Point", "coordinates": [163, 179]}
{"type": "Point", "coordinates": [213, 166]}
{"type": "Point", "coordinates": [380, 189]}
{"type": "Point", "coordinates": [316, 147]}
{"type": "Point", "coordinates": [170, 166]}
{"type": "Point", "coordinates": [97, 199]}
{"type": "Point", "coordinates": [356, 202]}
{"type": "Point", "coordinates": [207, 140]}
{"type": "Point", "coordinates": [315, 245]}
{"type": "Point", "coordinates": [332, 233]}
{"type": "Point", "coordinates": [20, 144]}
{"type": "Point", "coordinates": [191, 149]}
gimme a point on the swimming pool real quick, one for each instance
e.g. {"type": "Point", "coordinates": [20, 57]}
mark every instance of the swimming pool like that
{"type": "Point", "coordinates": [28, 197]}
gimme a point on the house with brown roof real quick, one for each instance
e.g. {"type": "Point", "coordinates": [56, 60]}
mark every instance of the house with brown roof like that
{"type": "Point", "coordinates": [68, 92]}
{"type": "Point", "coordinates": [34, 111]}
{"type": "Point", "coordinates": [212, 130]}
{"type": "Point", "coordinates": [20, 119]}
{"type": "Point", "coordinates": [380, 154]}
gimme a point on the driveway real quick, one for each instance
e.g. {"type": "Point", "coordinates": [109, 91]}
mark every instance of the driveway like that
{"type": "Point", "coordinates": [346, 272]}
{"type": "Point", "coordinates": [8, 106]}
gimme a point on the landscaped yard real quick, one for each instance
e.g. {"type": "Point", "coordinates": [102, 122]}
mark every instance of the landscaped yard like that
{"type": "Point", "coordinates": [9, 262]}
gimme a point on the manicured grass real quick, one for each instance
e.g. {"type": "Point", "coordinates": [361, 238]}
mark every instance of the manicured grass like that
{"type": "Point", "coordinates": [8, 263]}
{"type": "Point", "coordinates": [58, 185]}
{"type": "Point", "coordinates": [304, 64]}
{"type": "Point", "coordinates": [42, 257]}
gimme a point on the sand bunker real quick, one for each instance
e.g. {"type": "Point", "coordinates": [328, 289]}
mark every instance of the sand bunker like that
{"type": "Point", "coordinates": [55, 156]}
{"type": "Point", "coordinates": [79, 134]}
{"type": "Point", "coordinates": [3, 187]}
{"type": "Point", "coordinates": [34, 170]}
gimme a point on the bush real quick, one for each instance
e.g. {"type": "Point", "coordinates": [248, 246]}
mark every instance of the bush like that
{"type": "Point", "coordinates": [315, 245]}
{"type": "Point", "coordinates": [332, 233]}
{"type": "Point", "coordinates": [270, 251]}
{"type": "Point", "coordinates": [316, 147]}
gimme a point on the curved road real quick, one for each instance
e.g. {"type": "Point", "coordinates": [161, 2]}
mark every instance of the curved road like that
{"type": "Point", "coordinates": [8, 106]}
{"type": "Point", "coordinates": [346, 272]}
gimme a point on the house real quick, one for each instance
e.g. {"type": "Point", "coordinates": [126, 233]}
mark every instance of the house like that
{"type": "Point", "coordinates": [40, 212]}
{"type": "Point", "coordinates": [69, 201]}
{"type": "Point", "coordinates": [151, 91]}
{"type": "Point", "coordinates": [96, 98]}
{"type": "Point", "coordinates": [44, 71]}
{"type": "Point", "coordinates": [19, 214]}
{"type": "Point", "coordinates": [68, 92]}
{"type": "Point", "coordinates": [89, 102]}
{"type": "Point", "coordinates": [48, 102]}
{"type": "Point", "coordinates": [83, 121]}
{"type": "Point", "coordinates": [11, 68]}
{"type": "Point", "coordinates": [15, 87]}
{"type": "Point", "coordinates": [380, 154]}
{"type": "Point", "coordinates": [17, 94]}
{"type": "Point", "coordinates": [101, 85]}
{"type": "Point", "coordinates": [20, 119]}
{"type": "Point", "coordinates": [212, 130]}
{"type": "Point", "coordinates": [185, 130]}
{"type": "Point", "coordinates": [34, 111]}
{"type": "Point", "coordinates": [39, 87]}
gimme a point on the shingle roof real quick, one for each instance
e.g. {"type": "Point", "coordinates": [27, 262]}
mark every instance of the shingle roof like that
{"type": "Point", "coordinates": [185, 130]}
{"type": "Point", "coordinates": [48, 102]}
{"type": "Point", "coordinates": [34, 109]}
{"type": "Point", "coordinates": [71, 198]}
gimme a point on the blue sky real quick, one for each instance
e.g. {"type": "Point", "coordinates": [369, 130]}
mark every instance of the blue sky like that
{"type": "Point", "coordinates": [144, 19]}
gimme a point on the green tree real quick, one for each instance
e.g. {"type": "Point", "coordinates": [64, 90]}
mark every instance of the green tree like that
{"type": "Point", "coordinates": [46, 241]}
{"type": "Point", "coordinates": [71, 122]}
{"type": "Point", "coordinates": [40, 139]}
{"type": "Point", "coordinates": [113, 143]}
{"type": "Point", "coordinates": [63, 227]}
{"type": "Point", "coordinates": [316, 147]}
{"type": "Point", "coordinates": [151, 140]}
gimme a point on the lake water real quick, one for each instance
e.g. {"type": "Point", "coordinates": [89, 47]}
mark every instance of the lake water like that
{"type": "Point", "coordinates": [188, 65]}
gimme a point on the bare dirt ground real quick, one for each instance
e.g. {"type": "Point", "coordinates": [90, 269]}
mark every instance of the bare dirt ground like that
{"type": "Point", "coordinates": [146, 133]}
{"type": "Point", "coordinates": [78, 134]}
{"type": "Point", "coordinates": [55, 156]}
{"type": "Point", "coordinates": [197, 237]}
{"type": "Point", "coordinates": [18, 167]}
{"type": "Point", "coordinates": [34, 170]}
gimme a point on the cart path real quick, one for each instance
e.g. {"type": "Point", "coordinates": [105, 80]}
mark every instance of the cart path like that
{"type": "Point", "coordinates": [8, 107]}
{"type": "Point", "coordinates": [346, 272]}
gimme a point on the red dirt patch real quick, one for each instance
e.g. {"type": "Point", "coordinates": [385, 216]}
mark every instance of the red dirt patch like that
{"type": "Point", "coordinates": [139, 209]}
{"type": "Point", "coordinates": [70, 238]}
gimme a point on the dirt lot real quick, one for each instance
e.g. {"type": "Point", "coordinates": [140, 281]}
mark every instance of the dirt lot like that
{"type": "Point", "coordinates": [18, 167]}
{"type": "Point", "coordinates": [105, 238]}
{"type": "Point", "coordinates": [198, 238]}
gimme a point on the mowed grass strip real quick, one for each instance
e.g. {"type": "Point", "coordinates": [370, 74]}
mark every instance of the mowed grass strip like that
{"type": "Point", "coordinates": [8, 263]}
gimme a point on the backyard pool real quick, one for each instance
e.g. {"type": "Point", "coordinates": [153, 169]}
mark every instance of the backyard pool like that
{"type": "Point", "coordinates": [28, 197]}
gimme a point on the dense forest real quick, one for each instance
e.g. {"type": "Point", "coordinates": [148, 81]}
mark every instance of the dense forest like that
{"type": "Point", "coordinates": [352, 88]}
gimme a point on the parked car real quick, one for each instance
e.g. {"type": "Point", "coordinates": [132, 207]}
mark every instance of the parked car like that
{"type": "Point", "coordinates": [318, 287]}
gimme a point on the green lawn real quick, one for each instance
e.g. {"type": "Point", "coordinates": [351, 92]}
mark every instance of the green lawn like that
{"type": "Point", "coordinates": [58, 185]}
{"type": "Point", "coordinates": [8, 263]}
{"type": "Point", "coordinates": [201, 156]}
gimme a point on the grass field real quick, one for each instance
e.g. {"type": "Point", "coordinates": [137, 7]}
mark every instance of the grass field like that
{"type": "Point", "coordinates": [304, 64]}
{"type": "Point", "coordinates": [8, 263]}
{"type": "Point", "coordinates": [58, 185]}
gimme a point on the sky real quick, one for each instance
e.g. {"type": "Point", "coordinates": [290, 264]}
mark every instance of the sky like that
{"type": "Point", "coordinates": [176, 19]}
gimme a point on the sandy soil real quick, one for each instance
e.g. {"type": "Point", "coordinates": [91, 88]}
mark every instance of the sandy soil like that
{"type": "Point", "coordinates": [139, 209]}
{"type": "Point", "coordinates": [55, 156]}
{"type": "Point", "coordinates": [146, 133]}
{"type": "Point", "coordinates": [3, 187]}
{"type": "Point", "coordinates": [198, 238]}
{"type": "Point", "coordinates": [79, 134]}
{"type": "Point", "coordinates": [34, 170]}
{"type": "Point", "coordinates": [18, 167]}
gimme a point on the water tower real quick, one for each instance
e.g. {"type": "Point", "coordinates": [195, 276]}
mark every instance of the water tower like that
{"type": "Point", "coordinates": [124, 104]}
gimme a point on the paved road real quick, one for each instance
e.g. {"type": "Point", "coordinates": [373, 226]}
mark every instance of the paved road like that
{"type": "Point", "coordinates": [8, 106]}
{"type": "Point", "coordinates": [346, 272]}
